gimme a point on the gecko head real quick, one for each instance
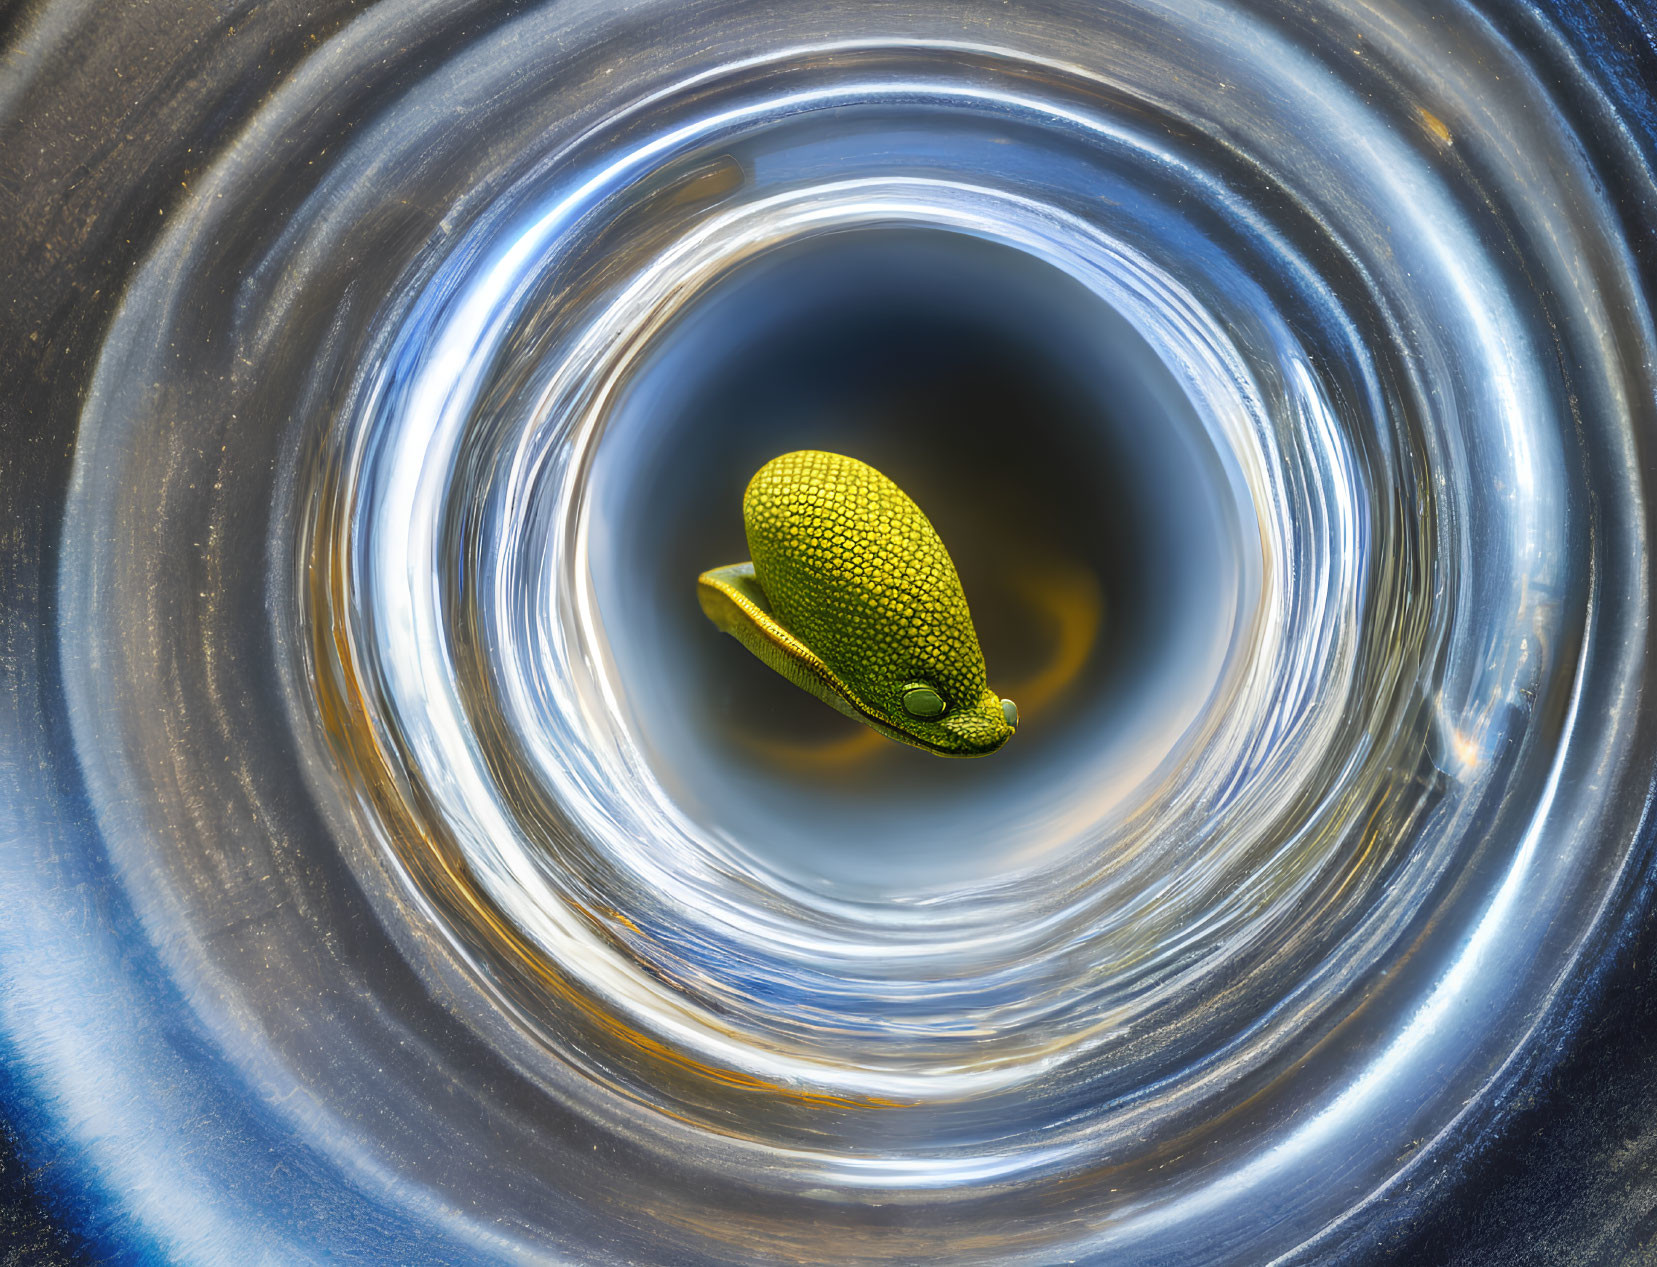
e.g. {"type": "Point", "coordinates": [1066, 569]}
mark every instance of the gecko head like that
{"type": "Point", "coordinates": [966, 726]}
{"type": "Point", "coordinates": [851, 595]}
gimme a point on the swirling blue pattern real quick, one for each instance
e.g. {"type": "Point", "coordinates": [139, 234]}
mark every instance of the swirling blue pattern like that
{"type": "Point", "coordinates": [401, 869]}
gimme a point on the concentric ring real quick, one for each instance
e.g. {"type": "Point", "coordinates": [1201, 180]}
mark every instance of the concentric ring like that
{"type": "Point", "coordinates": [445, 826]}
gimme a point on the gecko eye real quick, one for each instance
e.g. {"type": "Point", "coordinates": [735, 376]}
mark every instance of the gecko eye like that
{"type": "Point", "coordinates": [920, 700]}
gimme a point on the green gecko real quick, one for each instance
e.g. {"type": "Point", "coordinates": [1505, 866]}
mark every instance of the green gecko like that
{"type": "Point", "coordinates": [852, 596]}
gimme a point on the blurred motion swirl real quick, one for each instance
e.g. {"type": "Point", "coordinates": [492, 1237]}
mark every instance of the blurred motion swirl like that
{"type": "Point", "coordinates": [1280, 377]}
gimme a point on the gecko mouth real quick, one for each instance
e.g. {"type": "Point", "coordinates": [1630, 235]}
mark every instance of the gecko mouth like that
{"type": "Point", "coordinates": [978, 747]}
{"type": "Point", "coordinates": [981, 731]}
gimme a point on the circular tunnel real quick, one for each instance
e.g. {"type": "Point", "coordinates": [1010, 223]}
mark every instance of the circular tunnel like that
{"type": "Point", "coordinates": [404, 868]}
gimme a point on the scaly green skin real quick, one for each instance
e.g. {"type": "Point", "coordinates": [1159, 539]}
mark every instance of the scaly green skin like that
{"type": "Point", "coordinates": [852, 596]}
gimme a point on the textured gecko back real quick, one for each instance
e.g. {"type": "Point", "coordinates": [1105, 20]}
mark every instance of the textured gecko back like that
{"type": "Point", "coordinates": [880, 607]}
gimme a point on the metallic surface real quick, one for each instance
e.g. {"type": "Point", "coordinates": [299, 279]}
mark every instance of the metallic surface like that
{"type": "Point", "coordinates": [372, 883]}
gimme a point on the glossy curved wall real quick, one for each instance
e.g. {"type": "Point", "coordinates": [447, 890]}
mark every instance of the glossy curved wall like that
{"type": "Point", "coordinates": [398, 866]}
